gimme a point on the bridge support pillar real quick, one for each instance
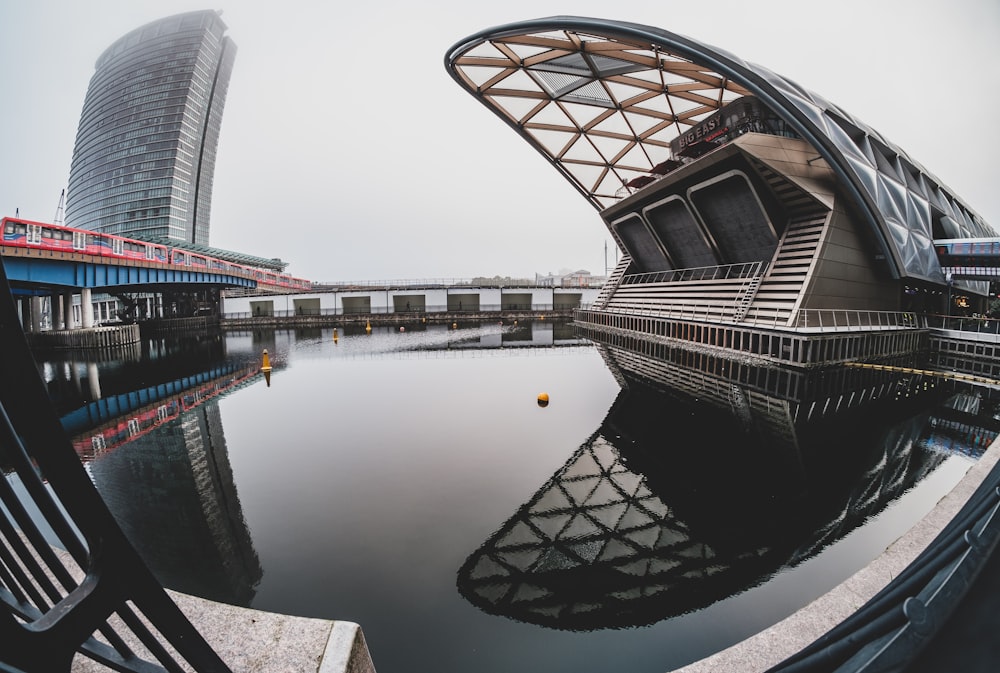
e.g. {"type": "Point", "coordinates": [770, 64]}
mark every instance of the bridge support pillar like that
{"type": "Point", "coordinates": [94, 380]}
{"type": "Point", "coordinates": [36, 314]}
{"type": "Point", "coordinates": [25, 305]}
{"type": "Point", "coordinates": [67, 302]}
{"type": "Point", "coordinates": [86, 309]}
{"type": "Point", "coordinates": [58, 317]}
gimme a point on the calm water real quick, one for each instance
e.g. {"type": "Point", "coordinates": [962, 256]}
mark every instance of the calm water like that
{"type": "Point", "coordinates": [410, 482]}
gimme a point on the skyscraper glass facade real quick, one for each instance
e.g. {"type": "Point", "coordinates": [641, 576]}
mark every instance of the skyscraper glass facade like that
{"type": "Point", "coordinates": [145, 150]}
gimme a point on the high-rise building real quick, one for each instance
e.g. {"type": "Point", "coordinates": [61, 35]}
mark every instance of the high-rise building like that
{"type": "Point", "coordinates": [145, 149]}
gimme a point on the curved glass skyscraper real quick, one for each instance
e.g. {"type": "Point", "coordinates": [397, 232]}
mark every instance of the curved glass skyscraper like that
{"type": "Point", "coordinates": [145, 149]}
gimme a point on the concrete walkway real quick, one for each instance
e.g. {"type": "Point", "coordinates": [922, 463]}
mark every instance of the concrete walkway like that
{"type": "Point", "coordinates": [251, 641]}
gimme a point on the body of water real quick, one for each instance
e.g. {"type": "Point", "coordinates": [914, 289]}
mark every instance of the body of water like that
{"type": "Point", "coordinates": [410, 482]}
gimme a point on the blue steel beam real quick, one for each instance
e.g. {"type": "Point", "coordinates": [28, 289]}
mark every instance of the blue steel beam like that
{"type": "Point", "coordinates": [41, 273]}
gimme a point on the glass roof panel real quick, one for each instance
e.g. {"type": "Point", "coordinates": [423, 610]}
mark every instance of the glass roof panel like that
{"type": "Point", "coordinates": [560, 83]}
{"type": "Point", "coordinates": [481, 74]}
{"type": "Point", "coordinates": [553, 115]}
{"type": "Point", "coordinates": [485, 50]}
{"type": "Point", "coordinates": [623, 92]}
{"type": "Point", "coordinates": [593, 93]}
{"type": "Point", "coordinates": [519, 81]}
{"type": "Point", "coordinates": [609, 147]}
{"type": "Point", "coordinates": [570, 64]}
{"type": "Point", "coordinates": [552, 141]}
{"type": "Point", "coordinates": [636, 157]}
{"type": "Point", "coordinates": [608, 66]}
{"type": "Point", "coordinates": [588, 176]}
{"type": "Point", "coordinates": [515, 108]}
{"type": "Point", "coordinates": [641, 123]}
{"type": "Point", "coordinates": [527, 50]}
{"type": "Point", "coordinates": [584, 114]}
{"type": "Point", "coordinates": [614, 124]}
{"type": "Point", "coordinates": [583, 150]}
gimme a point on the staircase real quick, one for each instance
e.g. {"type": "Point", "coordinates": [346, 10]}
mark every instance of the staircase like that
{"type": "Point", "coordinates": [614, 280]}
{"type": "Point", "coordinates": [748, 293]}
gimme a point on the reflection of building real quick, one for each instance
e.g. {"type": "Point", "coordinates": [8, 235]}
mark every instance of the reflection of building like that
{"type": "Point", "coordinates": [145, 150]}
{"type": "Point", "coordinates": [172, 490]}
{"type": "Point", "coordinates": [698, 486]}
{"type": "Point", "coordinates": [752, 215]}
{"type": "Point", "coordinates": [186, 522]}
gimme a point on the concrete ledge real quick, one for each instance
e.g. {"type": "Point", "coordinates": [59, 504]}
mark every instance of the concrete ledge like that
{"type": "Point", "coordinates": [775, 644]}
{"type": "Point", "coordinates": [252, 641]}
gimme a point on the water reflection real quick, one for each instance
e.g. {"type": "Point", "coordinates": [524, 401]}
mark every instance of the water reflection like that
{"type": "Point", "coordinates": [155, 448]}
{"type": "Point", "coordinates": [703, 482]}
{"type": "Point", "coordinates": [388, 457]}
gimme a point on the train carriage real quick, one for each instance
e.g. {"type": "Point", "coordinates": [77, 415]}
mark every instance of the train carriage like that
{"type": "Point", "coordinates": [38, 235]}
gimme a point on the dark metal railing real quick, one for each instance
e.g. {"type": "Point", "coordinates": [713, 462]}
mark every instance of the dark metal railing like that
{"type": "Point", "coordinates": [720, 272]}
{"type": "Point", "coordinates": [402, 312]}
{"type": "Point", "coordinates": [69, 579]}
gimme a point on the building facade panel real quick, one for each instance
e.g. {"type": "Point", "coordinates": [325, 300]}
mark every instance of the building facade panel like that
{"type": "Point", "coordinates": [144, 156]}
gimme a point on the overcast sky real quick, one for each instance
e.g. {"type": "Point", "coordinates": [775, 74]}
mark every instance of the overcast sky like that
{"type": "Point", "coordinates": [348, 151]}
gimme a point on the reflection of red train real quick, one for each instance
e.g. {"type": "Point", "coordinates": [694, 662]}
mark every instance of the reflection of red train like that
{"type": "Point", "coordinates": [93, 443]}
{"type": "Point", "coordinates": [27, 234]}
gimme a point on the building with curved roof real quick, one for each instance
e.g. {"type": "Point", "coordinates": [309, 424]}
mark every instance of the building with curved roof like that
{"type": "Point", "coordinates": [144, 158]}
{"type": "Point", "coordinates": [736, 195]}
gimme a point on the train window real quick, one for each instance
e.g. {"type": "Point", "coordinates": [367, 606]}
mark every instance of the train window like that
{"type": "Point", "coordinates": [79, 240]}
{"type": "Point", "coordinates": [117, 246]}
{"type": "Point", "coordinates": [34, 234]}
{"type": "Point", "coordinates": [48, 233]}
{"type": "Point", "coordinates": [149, 252]}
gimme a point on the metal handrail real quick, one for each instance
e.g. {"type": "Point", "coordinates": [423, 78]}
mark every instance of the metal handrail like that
{"type": "Point", "coordinates": [718, 272]}
{"type": "Point", "coordinates": [55, 605]}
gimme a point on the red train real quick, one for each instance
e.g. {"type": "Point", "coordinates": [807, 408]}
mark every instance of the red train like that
{"type": "Point", "coordinates": [20, 233]}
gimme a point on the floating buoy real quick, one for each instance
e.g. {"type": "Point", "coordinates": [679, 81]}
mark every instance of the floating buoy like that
{"type": "Point", "coordinates": [335, 337]}
{"type": "Point", "coordinates": [543, 399]}
{"type": "Point", "coordinates": [402, 329]}
{"type": "Point", "coordinates": [266, 365]}
{"type": "Point", "coordinates": [515, 322]}
{"type": "Point", "coordinates": [368, 327]}
{"type": "Point", "coordinates": [541, 317]}
{"type": "Point", "coordinates": [454, 325]}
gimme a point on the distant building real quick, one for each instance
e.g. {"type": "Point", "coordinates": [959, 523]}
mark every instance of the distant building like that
{"type": "Point", "coordinates": [581, 278]}
{"type": "Point", "coordinates": [145, 149]}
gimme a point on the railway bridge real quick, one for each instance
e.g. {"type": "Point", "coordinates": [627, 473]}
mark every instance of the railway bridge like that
{"type": "Point", "coordinates": [69, 279]}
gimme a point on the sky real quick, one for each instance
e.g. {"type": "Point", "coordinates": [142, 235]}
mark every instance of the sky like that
{"type": "Point", "coordinates": [348, 151]}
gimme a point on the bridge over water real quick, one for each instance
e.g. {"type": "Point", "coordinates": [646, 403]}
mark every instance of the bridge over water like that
{"type": "Point", "coordinates": [34, 274]}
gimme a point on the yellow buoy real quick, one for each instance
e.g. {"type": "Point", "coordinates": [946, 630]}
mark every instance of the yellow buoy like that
{"type": "Point", "coordinates": [543, 399]}
{"type": "Point", "coordinates": [454, 325]}
{"type": "Point", "coordinates": [335, 337]}
{"type": "Point", "coordinates": [368, 327]}
{"type": "Point", "coordinates": [266, 365]}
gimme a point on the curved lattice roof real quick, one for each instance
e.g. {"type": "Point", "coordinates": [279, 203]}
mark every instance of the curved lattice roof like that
{"type": "Point", "coordinates": [601, 100]}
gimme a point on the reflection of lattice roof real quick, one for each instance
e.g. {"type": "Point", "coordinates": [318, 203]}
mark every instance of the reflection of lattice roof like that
{"type": "Point", "coordinates": [601, 100]}
{"type": "Point", "coordinates": [611, 542]}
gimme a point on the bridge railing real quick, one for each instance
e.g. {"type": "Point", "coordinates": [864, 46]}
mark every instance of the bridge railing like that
{"type": "Point", "coordinates": [390, 310]}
